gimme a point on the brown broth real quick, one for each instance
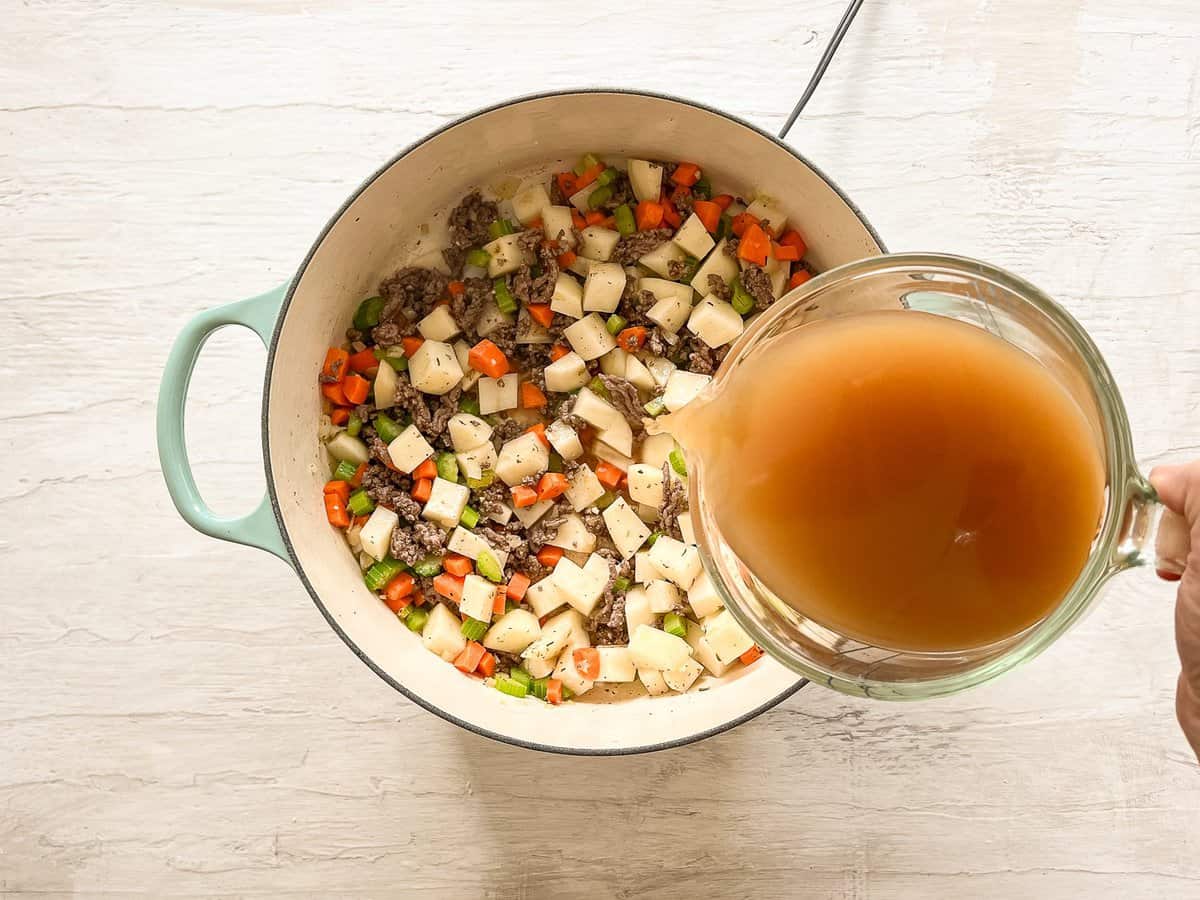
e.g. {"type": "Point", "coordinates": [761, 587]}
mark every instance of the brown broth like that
{"type": "Point", "coordinates": [902, 478]}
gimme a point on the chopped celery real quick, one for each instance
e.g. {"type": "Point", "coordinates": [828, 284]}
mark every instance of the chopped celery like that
{"type": "Point", "coordinates": [360, 504]}
{"type": "Point", "coordinates": [399, 363]}
{"type": "Point", "coordinates": [589, 160]}
{"type": "Point", "coordinates": [538, 687]}
{"type": "Point", "coordinates": [616, 324]}
{"type": "Point", "coordinates": [626, 224]}
{"type": "Point", "coordinates": [622, 583]}
{"type": "Point", "coordinates": [489, 566]}
{"type": "Point", "coordinates": [428, 567]}
{"type": "Point", "coordinates": [387, 427]}
{"type": "Point", "coordinates": [742, 301]}
{"type": "Point", "coordinates": [673, 624]}
{"type": "Point", "coordinates": [654, 536]}
{"type": "Point", "coordinates": [474, 629]}
{"type": "Point", "coordinates": [596, 386]}
{"type": "Point", "coordinates": [506, 685]}
{"type": "Point", "coordinates": [567, 693]}
{"type": "Point", "coordinates": [520, 675]}
{"type": "Point", "coordinates": [485, 479]}
{"type": "Point", "coordinates": [353, 425]}
{"type": "Point", "coordinates": [702, 189]}
{"type": "Point", "coordinates": [724, 227]}
{"type": "Point", "coordinates": [478, 257]}
{"type": "Point", "coordinates": [345, 471]}
{"type": "Point", "coordinates": [607, 177]}
{"type": "Point", "coordinates": [469, 518]}
{"type": "Point", "coordinates": [605, 500]}
{"type": "Point", "coordinates": [469, 404]}
{"type": "Point", "coordinates": [655, 407]}
{"type": "Point", "coordinates": [500, 228]}
{"type": "Point", "coordinates": [505, 301]}
{"type": "Point", "coordinates": [447, 467]}
{"type": "Point", "coordinates": [555, 464]}
{"type": "Point", "coordinates": [677, 462]}
{"type": "Point", "coordinates": [416, 619]}
{"type": "Point", "coordinates": [690, 265]}
{"type": "Point", "coordinates": [599, 196]}
{"type": "Point", "coordinates": [368, 312]}
{"type": "Point", "coordinates": [380, 573]}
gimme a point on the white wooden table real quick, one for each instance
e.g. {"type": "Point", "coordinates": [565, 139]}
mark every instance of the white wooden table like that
{"type": "Point", "coordinates": [177, 719]}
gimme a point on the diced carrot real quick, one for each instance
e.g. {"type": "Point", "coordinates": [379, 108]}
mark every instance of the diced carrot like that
{"type": "Point", "coordinates": [356, 388]}
{"type": "Point", "coordinates": [427, 469]}
{"type": "Point", "coordinates": [798, 278]}
{"type": "Point", "coordinates": [686, 173]}
{"type": "Point", "coordinates": [558, 351]}
{"type": "Point", "coordinates": [751, 655]}
{"type": "Point", "coordinates": [708, 213]}
{"type": "Point", "coordinates": [523, 496]}
{"type": "Point", "coordinates": [587, 662]}
{"type": "Point", "coordinates": [487, 665]}
{"type": "Point", "coordinates": [536, 222]}
{"type": "Point", "coordinates": [567, 259]}
{"type": "Point", "coordinates": [648, 215]}
{"type": "Point", "coordinates": [360, 521]}
{"type": "Point", "coordinates": [549, 556]}
{"type": "Point", "coordinates": [356, 481]}
{"type": "Point", "coordinates": [540, 430]}
{"type": "Point", "coordinates": [468, 660]}
{"type": "Point", "coordinates": [418, 598]}
{"type": "Point", "coordinates": [335, 511]}
{"type": "Point", "coordinates": [554, 688]}
{"type": "Point", "coordinates": [589, 175]}
{"type": "Point", "coordinates": [679, 194]}
{"type": "Point", "coordinates": [532, 396]}
{"type": "Point", "coordinates": [411, 345]}
{"type": "Point", "coordinates": [498, 600]}
{"type": "Point", "coordinates": [457, 564]}
{"type": "Point", "coordinates": [631, 339]}
{"type": "Point", "coordinates": [517, 586]}
{"type": "Point", "coordinates": [542, 314]}
{"type": "Point", "coordinates": [566, 183]}
{"type": "Point", "coordinates": [593, 217]}
{"type": "Point", "coordinates": [421, 489]}
{"type": "Point", "coordinates": [671, 215]}
{"type": "Point", "coordinates": [340, 415]}
{"type": "Point", "coordinates": [489, 359]}
{"type": "Point", "coordinates": [398, 593]}
{"type": "Point", "coordinates": [552, 485]}
{"type": "Point", "coordinates": [741, 222]}
{"type": "Point", "coordinates": [340, 488]}
{"type": "Point", "coordinates": [724, 201]}
{"type": "Point", "coordinates": [792, 238]}
{"type": "Point", "coordinates": [608, 474]}
{"type": "Point", "coordinates": [587, 434]}
{"type": "Point", "coordinates": [335, 363]}
{"type": "Point", "coordinates": [609, 222]}
{"type": "Point", "coordinates": [578, 220]}
{"type": "Point", "coordinates": [363, 361]}
{"type": "Point", "coordinates": [754, 245]}
{"type": "Point", "coordinates": [333, 393]}
{"type": "Point", "coordinates": [449, 586]}
{"type": "Point", "coordinates": [456, 288]}
{"type": "Point", "coordinates": [785, 252]}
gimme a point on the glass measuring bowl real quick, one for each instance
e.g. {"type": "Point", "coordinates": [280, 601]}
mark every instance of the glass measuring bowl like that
{"type": "Point", "coordinates": [1135, 529]}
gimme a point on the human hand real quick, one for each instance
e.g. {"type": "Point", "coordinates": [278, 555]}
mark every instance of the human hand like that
{"type": "Point", "coordinates": [1179, 489]}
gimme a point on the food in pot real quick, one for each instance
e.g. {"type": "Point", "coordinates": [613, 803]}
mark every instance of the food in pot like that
{"type": "Point", "coordinates": [486, 421]}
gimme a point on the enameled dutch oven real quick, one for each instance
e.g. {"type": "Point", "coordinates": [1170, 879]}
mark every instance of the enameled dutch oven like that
{"type": "Point", "coordinates": [395, 218]}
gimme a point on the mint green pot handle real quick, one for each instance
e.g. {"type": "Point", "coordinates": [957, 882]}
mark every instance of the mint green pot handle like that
{"type": "Point", "coordinates": [259, 528]}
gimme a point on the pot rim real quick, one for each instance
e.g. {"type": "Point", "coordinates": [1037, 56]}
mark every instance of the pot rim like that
{"type": "Point", "coordinates": [273, 345]}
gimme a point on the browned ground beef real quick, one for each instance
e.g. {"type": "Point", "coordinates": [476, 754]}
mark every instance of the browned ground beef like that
{"type": "Point", "coordinates": [758, 284]}
{"type": "Point", "coordinates": [431, 422]}
{"type": "Point", "coordinates": [718, 288]}
{"type": "Point", "coordinates": [410, 293]}
{"type": "Point", "coordinates": [624, 396]}
{"type": "Point", "coordinates": [674, 502]}
{"type": "Point", "coordinates": [409, 545]}
{"type": "Point", "coordinates": [632, 248]}
{"type": "Point", "coordinates": [469, 221]}
{"type": "Point", "coordinates": [467, 306]}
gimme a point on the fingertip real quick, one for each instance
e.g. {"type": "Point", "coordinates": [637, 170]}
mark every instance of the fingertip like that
{"type": "Point", "coordinates": [1170, 485]}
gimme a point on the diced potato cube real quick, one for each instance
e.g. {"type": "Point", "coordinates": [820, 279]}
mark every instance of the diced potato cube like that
{"type": "Point", "coordinates": [648, 514]}
{"type": "Point", "coordinates": [609, 454]}
{"type": "Point", "coordinates": [507, 255]}
{"type": "Point", "coordinates": [646, 484]}
{"type": "Point", "coordinates": [663, 597]}
{"type": "Point", "coordinates": [660, 369]}
{"type": "Point", "coordinates": [376, 534]}
{"type": "Point", "coordinates": [726, 637]}
{"type": "Point", "coordinates": [718, 263]}
{"type": "Point", "coordinates": [555, 635]}
{"type": "Point", "coordinates": [471, 545]}
{"type": "Point", "coordinates": [529, 515]}
{"type": "Point", "coordinates": [656, 448]}
{"type": "Point", "coordinates": [628, 532]}
{"type": "Point", "coordinates": [686, 528]}
{"type": "Point", "coordinates": [557, 224]}
{"type": "Point", "coordinates": [573, 534]}
{"type": "Point", "coordinates": [660, 258]}
{"type": "Point", "coordinates": [682, 388]}
{"type": "Point", "coordinates": [616, 665]}
{"type": "Point", "coordinates": [598, 243]}
{"type": "Point", "coordinates": [597, 411]}
{"type": "Point", "coordinates": [446, 503]}
{"type": "Point", "coordinates": [680, 562]}
{"type": "Point", "coordinates": [637, 609]}
{"type": "Point", "coordinates": [564, 439]}
{"type": "Point", "coordinates": [501, 514]}
{"type": "Point", "coordinates": [567, 373]}
{"type": "Point", "coordinates": [637, 374]}
{"type": "Point", "coordinates": [682, 676]}
{"type": "Point", "coordinates": [653, 648]}
{"type": "Point", "coordinates": [434, 368]}
{"type": "Point", "coordinates": [582, 587]}
{"type": "Point", "coordinates": [386, 382]}
{"type": "Point", "coordinates": [589, 337]}
{"type": "Point", "coordinates": [644, 569]}
{"type": "Point", "coordinates": [409, 449]}
{"type": "Point", "coordinates": [523, 456]}
{"type": "Point", "coordinates": [653, 682]}
{"type": "Point", "coordinates": [442, 633]}
{"type": "Point", "coordinates": [693, 238]}
{"type": "Point", "coordinates": [663, 289]}
{"type": "Point", "coordinates": [766, 210]}
{"type": "Point", "coordinates": [473, 462]}
{"type": "Point", "coordinates": [462, 352]}
{"type": "Point", "coordinates": [702, 651]}
{"type": "Point", "coordinates": [603, 288]}
{"type": "Point", "coordinates": [513, 632]}
{"type": "Point", "coordinates": [467, 431]}
{"type": "Point", "coordinates": [478, 597]}
{"type": "Point", "coordinates": [567, 297]}
{"type": "Point", "coordinates": [646, 179]}
{"type": "Point", "coordinates": [491, 319]}
{"type": "Point", "coordinates": [585, 488]}
{"type": "Point", "coordinates": [614, 362]}
{"type": "Point", "coordinates": [669, 313]}
{"type": "Point", "coordinates": [530, 330]}
{"type": "Point", "coordinates": [498, 394]}
{"type": "Point", "coordinates": [544, 597]}
{"type": "Point", "coordinates": [439, 325]}
{"type": "Point", "coordinates": [703, 597]}
{"type": "Point", "coordinates": [566, 672]}
{"type": "Point", "coordinates": [580, 265]}
{"type": "Point", "coordinates": [715, 322]}
{"type": "Point", "coordinates": [530, 202]}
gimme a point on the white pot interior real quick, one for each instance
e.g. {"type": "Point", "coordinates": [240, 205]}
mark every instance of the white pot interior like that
{"type": "Point", "coordinates": [398, 218]}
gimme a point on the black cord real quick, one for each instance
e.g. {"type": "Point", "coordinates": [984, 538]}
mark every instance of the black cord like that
{"type": "Point", "coordinates": [822, 65]}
